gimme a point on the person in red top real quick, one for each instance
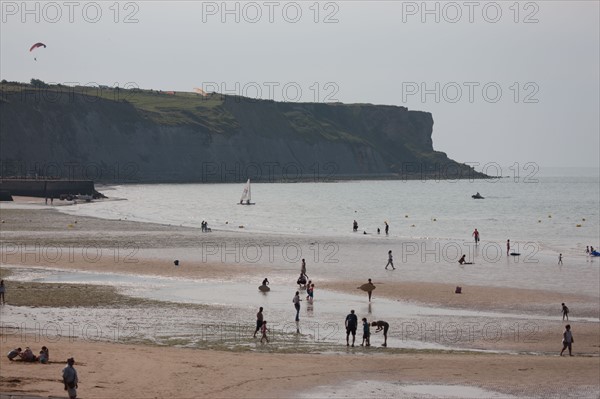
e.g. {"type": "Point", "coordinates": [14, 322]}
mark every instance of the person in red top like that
{"type": "Point", "coordinates": [476, 235]}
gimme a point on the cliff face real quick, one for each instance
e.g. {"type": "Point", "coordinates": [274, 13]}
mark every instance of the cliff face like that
{"type": "Point", "coordinates": [156, 137]}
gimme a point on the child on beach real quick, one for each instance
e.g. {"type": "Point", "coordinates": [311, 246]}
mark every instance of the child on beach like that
{"type": "Point", "coordinates": [27, 355]}
{"type": "Point", "coordinates": [311, 292]}
{"type": "Point", "coordinates": [44, 355]}
{"type": "Point", "coordinates": [14, 353]}
{"type": "Point", "coordinates": [70, 380]}
{"type": "Point", "coordinates": [567, 340]}
{"type": "Point", "coordinates": [366, 333]}
{"type": "Point", "coordinates": [264, 330]}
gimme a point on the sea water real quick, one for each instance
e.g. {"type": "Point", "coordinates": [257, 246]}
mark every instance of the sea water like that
{"type": "Point", "coordinates": [558, 212]}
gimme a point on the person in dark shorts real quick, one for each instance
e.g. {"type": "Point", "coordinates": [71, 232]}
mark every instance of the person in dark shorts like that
{"type": "Point", "coordinates": [351, 324]}
{"type": "Point", "coordinates": [259, 320]}
{"type": "Point", "coordinates": [382, 325]}
{"type": "Point", "coordinates": [366, 333]}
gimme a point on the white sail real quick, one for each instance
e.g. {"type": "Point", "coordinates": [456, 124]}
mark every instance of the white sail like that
{"type": "Point", "coordinates": [246, 192]}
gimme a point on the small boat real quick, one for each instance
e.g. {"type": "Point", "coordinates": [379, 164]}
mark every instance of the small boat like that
{"type": "Point", "coordinates": [477, 196]}
{"type": "Point", "coordinates": [246, 194]}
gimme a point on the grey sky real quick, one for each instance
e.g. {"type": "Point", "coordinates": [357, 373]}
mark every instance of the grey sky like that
{"type": "Point", "coordinates": [376, 52]}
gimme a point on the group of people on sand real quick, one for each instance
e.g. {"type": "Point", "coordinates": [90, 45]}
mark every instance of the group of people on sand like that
{"type": "Point", "coordinates": [27, 355]}
{"type": "Point", "coordinates": [352, 325]}
{"type": "Point", "coordinates": [204, 227]}
{"type": "Point", "coordinates": [69, 374]}
{"type": "Point", "coordinates": [386, 228]}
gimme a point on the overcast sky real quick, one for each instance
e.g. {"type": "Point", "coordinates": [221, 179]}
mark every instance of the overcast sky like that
{"type": "Point", "coordinates": [506, 82]}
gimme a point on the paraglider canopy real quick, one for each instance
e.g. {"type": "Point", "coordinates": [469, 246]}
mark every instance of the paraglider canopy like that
{"type": "Point", "coordinates": [36, 46]}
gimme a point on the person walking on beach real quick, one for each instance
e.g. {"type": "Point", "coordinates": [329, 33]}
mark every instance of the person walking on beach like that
{"type": "Point", "coordinates": [387, 228]}
{"type": "Point", "coordinates": [507, 247]}
{"type": "Point", "coordinates": [303, 267]}
{"type": "Point", "coordinates": [560, 259]}
{"type": "Point", "coordinates": [390, 260]}
{"type": "Point", "coordinates": [476, 235]}
{"type": "Point", "coordinates": [69, 376]}
{"type": "Point", "coordinates": [587, 249]}
{"type": "Point", "coordinates": [264, 330]}
{"type": "Point", "coordinates": [296, 302]}
{"type": "Point", "coordinates": [382, 325]}
{"type": "Point", "coordinates": [565, 311]}
{"type": "Point", "coordinates": [2, 291]}
{"type": "Point", "coordinates": [355, 226]}
{"type": "Point", "coordinates": [259, 320]}
{"type": "Point", "coordinates": [567, 340]}
{"type": "Point", "coordinates": [351, 324]}
{"type": "Point", "coordinates": [366, 333]}
{"type": "Point", "coordinates": [369, 287]}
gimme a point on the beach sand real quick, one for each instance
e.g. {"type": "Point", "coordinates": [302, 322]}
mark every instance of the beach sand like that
{"type": "Point", "coordinates": [111, 369]}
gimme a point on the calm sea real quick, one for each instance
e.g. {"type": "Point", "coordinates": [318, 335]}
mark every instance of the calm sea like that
{"type": "Point", "coordinates": [560, 212]}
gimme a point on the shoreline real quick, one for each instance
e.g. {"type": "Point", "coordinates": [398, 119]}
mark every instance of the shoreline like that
{"type": "Point", "coordinates": [222, 366]}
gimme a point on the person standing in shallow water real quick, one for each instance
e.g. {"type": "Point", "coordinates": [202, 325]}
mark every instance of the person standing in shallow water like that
{"type": "Point", "coordinates": [507, 247]}
{"type": "Point", "coordinates": [296, 302]}
{"type": "Point", "coordinates": [476, 235]}
{"type": "Point", "coordinates": [259, 320]}
{"type": "Point", "coordinates": [565, 311]}
{"type": "Point", "coordinates": [387, 228]}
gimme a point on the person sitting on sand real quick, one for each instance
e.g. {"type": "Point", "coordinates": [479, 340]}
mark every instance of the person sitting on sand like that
{"type": "Point", "coordinates": [14, 353]}
{"type": "Point", "coordinates": [43, 357]}
{"type": "Point", "coordinates": [27, 355]}
{"type": "Point", "coordinates": [462, 261]}
{"type": "Point", "coordinates": [382, 325]}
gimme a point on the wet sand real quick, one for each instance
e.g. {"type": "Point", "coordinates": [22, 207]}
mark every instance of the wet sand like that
{"type": "Point", "coordinates": [132, 371]}
{"type": "Point", "coordinates": [113, 369]}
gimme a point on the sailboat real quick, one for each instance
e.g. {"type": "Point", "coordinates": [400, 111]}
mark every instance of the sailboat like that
{"type": "Point", "coordinates": [246, 194]}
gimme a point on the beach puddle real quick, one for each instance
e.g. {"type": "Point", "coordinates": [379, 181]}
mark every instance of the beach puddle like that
{"type": "Point", "coordinates": [399, 390]}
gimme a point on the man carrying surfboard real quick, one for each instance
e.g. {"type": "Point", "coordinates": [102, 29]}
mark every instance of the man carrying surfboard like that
{"type": "Point", "coordinates": [369, 287]}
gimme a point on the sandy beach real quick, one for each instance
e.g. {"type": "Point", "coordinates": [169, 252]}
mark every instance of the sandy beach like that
{"type": "Point", "coordinates": [143, 368]}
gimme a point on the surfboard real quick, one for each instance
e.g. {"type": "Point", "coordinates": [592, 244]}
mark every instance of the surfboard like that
{"type": "Point", "coordinates": [367, 287]}
{"type": "Point", "coordinates": [264, 288]}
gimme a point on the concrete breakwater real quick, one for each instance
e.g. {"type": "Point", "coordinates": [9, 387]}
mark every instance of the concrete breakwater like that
{"type": "Point", "coordinates": [47, 187]}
